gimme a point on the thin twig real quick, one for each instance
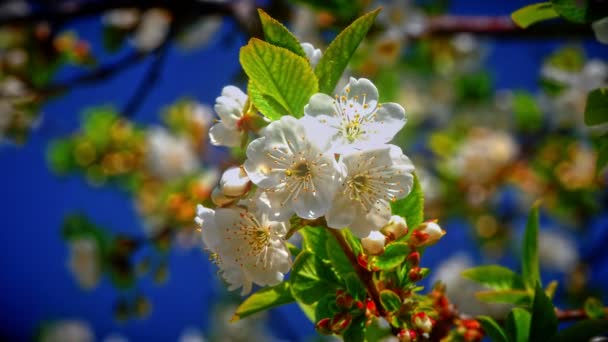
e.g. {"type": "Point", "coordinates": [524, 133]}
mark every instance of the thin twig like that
{"type": "Point", "coordinates": [148, 82]}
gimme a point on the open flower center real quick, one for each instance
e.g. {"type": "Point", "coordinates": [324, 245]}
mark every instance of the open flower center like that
{"type": "Point", "coordinates": [256, 236]}
{"type": "Point", "coordinates": [299, 169]}
{"type": "Point", "coordinates": [353, 115]}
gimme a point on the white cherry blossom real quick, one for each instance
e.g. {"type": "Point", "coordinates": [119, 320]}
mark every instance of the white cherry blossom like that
{"type": "Point", "coordinates": [354, 119]}
{"type": "Point", "coordinates": [374, 178]}
{"type": "Point", "coordinates": [169, 156]}
{"type": "Point", "coordinates": [248, 247]}
{"type": "Point", "coordinates": [229, 106]}
{"type": "Point", "coordinates": [294, 168]}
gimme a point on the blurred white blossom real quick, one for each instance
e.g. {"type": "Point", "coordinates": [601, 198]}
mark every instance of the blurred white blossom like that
{"type": "Point", "coordinates": [169, 156]}
{"type": "Point", "coordinates": [84, 261]}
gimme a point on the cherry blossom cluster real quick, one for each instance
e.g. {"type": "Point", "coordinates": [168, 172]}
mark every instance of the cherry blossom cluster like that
{"type": "Point", "coordinates": [334, 162]}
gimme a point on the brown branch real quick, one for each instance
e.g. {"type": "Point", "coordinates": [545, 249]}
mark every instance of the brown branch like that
{"type": "Point", "coordinates": [574, 314]}
{"type": "Point", "coordinates": [57, 11]}
{"type": "Point", "coordinates": [501, 27]}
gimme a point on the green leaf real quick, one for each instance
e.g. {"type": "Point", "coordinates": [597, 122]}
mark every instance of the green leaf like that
{"type": "Point", "coordinates": [492, 329]}
{"type": "Point", "coordinates": [412, 206]}
{"type": "Point", "coordinates": [527, 112]}
{"type": "Point", "coordinates": [393, 256]}
{"type": "Point", "coordinates": [334, 60]}
{"type": "Point", "coordinates": [264, 299]}
{"type": "Point", "coordinates": [279, 74]}
{"type": "Point", "coordinates": [390, 300]}
{"type": "Point", "coordinates": [544, 320]}
{"type": "Point", "coordinates": [534, 13]}
{"type": "Point", "coordinates": [356, 330]}
{"type": "Point", "coordinates": [495, 277]}
{"type": "Point", "coordinates": [337, 258]}
{"type": "Point", "coordinates": [530, 266]}
{"type": "Point", "coordinates": [517, 297]}
{"type": "Point", "coordinates": [268, 106]}
{"type": "Point", "coordinates": [308, 310]}
{"type": "Point", "coordinates": [314, 239]}
{"type": "Point", "coordinates": [355, 287]}
{"type": "Point", "coordinates": [353, 242]}
{"type": "Point", "coordinates": [326, 307]}
{"type": "Point", "coordinates": [582, 331]}
{"type": "Point", "coordinates": [594, 308]}
{"type": "Point", "coordinates": [518, 325]}
{"type": "Point", "coordinates": [277, 34]}
{"type": "Point", "coordinates": [293, 249]}
{"type": "Point", "coordinates": [311, 278]}
{"type": "Point", "coordinates": [596, 110]}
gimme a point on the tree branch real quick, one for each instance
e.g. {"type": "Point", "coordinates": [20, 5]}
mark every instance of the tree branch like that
{"type": "Point", "coordinates": [501, 27]}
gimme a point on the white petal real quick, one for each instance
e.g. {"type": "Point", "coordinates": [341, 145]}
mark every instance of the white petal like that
{"type": "Point", "coordinates": [259, 166]}
{"type": "Point", "coordinates": [341, 213]}
{"type": "Point", "coordinates": [220, 135]}
{"type": "Point", "coordinates": [375, 219]}
{"type": "Point", "coordinates": [389, 120]}
{"type": "Point", "coordinates": [229, 111]}
{"type": "Point", "coordinates": [237, 94]}
{"type": "Point", "coordinates": [234, 182]}
{"type": "Point", "coordinates": [320, 105]}
{"type": "Point", "coordinates": [363, 89]}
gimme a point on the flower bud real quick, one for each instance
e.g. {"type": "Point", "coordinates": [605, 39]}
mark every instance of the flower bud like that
{"type": "Point", "coordinates": [414, 259]}
{"type": "Point", "coordinates": [370, 308]}
{"type": "Point", "coordinates": [322, 326]}
{"type": "Point", "coordinates": [373, 244]}
{"type": "Point", "coordinates": [395, 228]}
{"type": "Point", "coordinates": [219, 199]}
{"type": "Point", "coordinates": [362, 261]}
{"type": "Point", "coordinates": [235, 182]}
{"type": "Point", "coordinates": [340, 322]}
{"type": "Point", "coordinates": [344, 301]}
{"type": "Point", "coordinates": [407, 335]}
{"type": "Point", "coordinates": [422, 322]}
{"type": "Point", "coordinates": [427, 234]}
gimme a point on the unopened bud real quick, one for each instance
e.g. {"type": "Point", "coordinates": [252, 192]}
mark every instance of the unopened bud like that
{"type": "Point", "coordinates": [235, 182]}
{"type": "Point", "coordinates": [414, 259]}
{"type": "Point", "coordinates": [427, 234]}
{"type": "Point", "coordinates": [344, 301]}
{"type": "Point", "coordinates": [422, 322]}
{"type": "Point", "coordinates": [219, 199]}
{"type": "Point", "coordinates": [323, 327]}
{"type": "Point", "coordinates": [370, 308]}
{"type": "Point", "coordinates": [373, 244]}
{"type": "Point", "coordinates": [395, 228]}
{"type": "Point", "coordinates": [407, 335]}
{"type": "Point", "coordinates": [471, 324]}
{"type": "Point", "coordinates": [362, 261]}
{"type": "Point", "coordinates": [414, 274]}
{"type": "Point", "coordinates": [472, 336]}
{"type": "Point", "coordinates": [340, 322]}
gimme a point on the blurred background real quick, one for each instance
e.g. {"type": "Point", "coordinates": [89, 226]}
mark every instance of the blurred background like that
{"type": "Point", "coordinates": [104, 113]}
